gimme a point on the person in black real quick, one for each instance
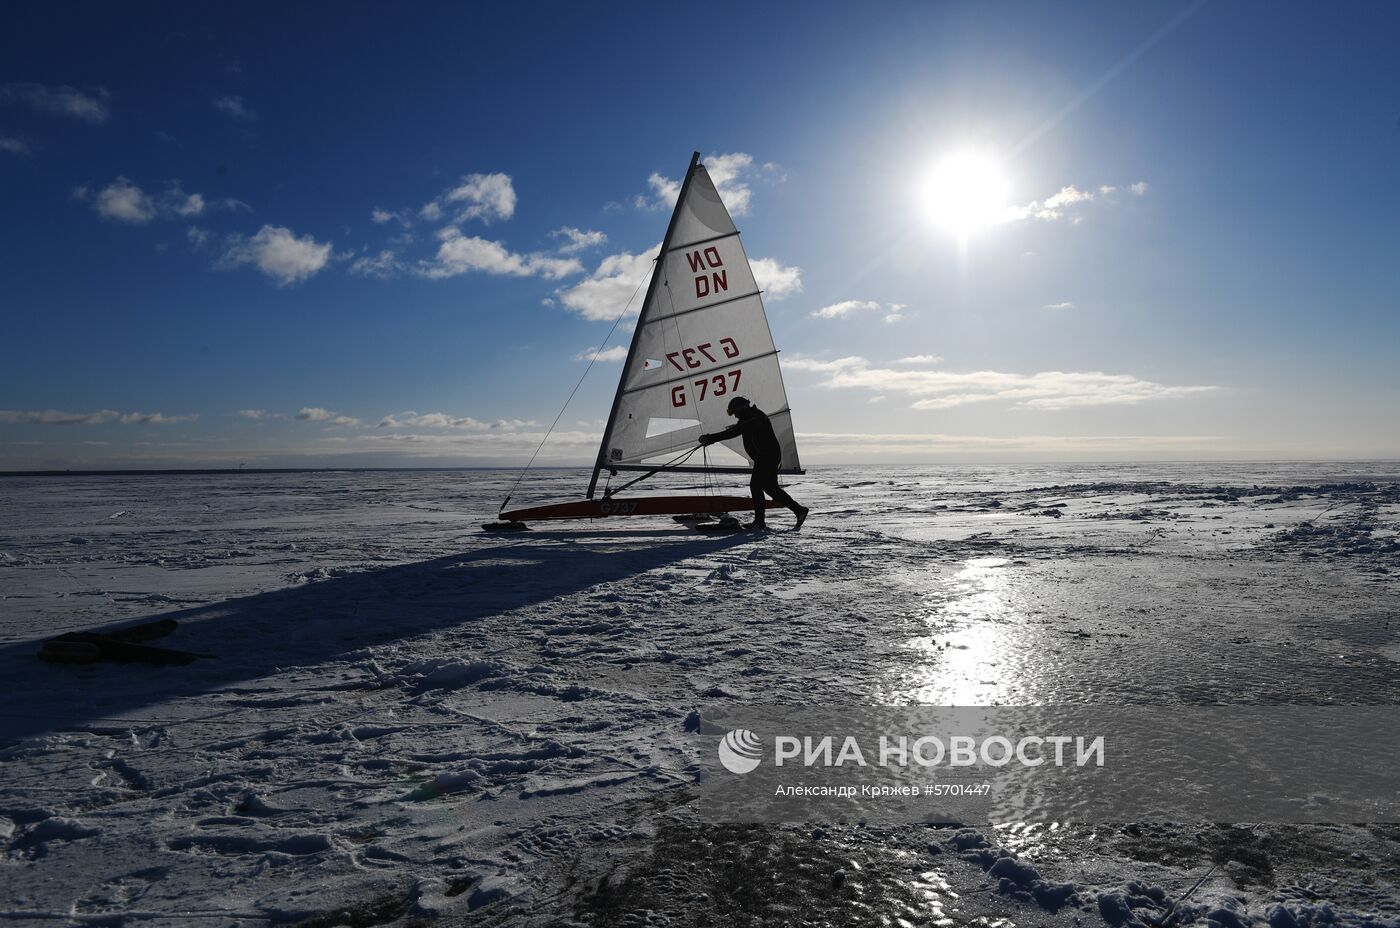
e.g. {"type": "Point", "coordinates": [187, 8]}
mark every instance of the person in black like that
{"type": "Point", "coordinates": [762, 447]}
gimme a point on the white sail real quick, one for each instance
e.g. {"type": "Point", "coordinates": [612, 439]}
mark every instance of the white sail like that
{"type": "Point", "coordinates": [701, 339]}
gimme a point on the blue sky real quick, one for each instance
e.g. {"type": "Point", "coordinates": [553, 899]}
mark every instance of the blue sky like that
{"type": "Point", "coordinates": [328, 235]}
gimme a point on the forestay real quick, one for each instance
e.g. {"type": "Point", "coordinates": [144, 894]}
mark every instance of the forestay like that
{"type": "Point", "coordinates": [702, 338]}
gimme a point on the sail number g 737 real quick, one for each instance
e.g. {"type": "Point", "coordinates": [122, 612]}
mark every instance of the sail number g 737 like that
{"type": "Point", "coordinates": [691, 355]}
{"type": "Point", "coordinates": [718, 385]}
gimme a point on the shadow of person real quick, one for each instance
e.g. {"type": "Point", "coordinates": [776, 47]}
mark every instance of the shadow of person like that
{"type": "Point", "coordinates": [318, 622]}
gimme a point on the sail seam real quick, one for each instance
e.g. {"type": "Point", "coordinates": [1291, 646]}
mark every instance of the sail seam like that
{"type": "Point", "coordinates": [699, 373]}
{"type": "Point", "coordinates": [681, 446]}
{"type": "Point", "coordinates": [696, 309]}
{"type": "Point", "coordinates": [675, 447]}
{"type": "Point", "coordinates": [703, 241]}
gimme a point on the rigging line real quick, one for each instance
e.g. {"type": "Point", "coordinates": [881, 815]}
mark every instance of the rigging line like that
{"type": "Point", "coordinates": [591, 361]}
{"type": "Point", "coordinates": [675, 461]}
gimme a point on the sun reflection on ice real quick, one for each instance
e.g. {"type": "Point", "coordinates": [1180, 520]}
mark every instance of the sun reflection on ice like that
{"type": "Point", "coordinates": [979, 646]}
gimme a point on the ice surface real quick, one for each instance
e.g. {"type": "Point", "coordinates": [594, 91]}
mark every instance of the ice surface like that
{"type": "Point", "coordinates": [412, 716]}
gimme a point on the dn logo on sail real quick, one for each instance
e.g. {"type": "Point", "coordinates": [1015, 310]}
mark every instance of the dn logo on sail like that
{"type": "Point", "coordinates": [708, 280]}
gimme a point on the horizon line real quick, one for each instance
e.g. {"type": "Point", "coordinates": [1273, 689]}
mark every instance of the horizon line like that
{"type": "Point", "coordinates": [178, 471]}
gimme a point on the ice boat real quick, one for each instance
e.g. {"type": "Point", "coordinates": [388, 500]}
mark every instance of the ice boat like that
{"type": "Point", "coordinates": [701, 338]}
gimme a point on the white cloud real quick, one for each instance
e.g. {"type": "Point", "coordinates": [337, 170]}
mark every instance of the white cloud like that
{"type": "Point", "coordinates": [432, 420]}
{"type": "Point", "coordinates": [846, 308]}
{"type": "Point", "coordinates": [728, 173]}
{"type": "Point", "coordinates": [665, 192]}
{"type": "Point", "coordinates": [462, 254]}
{"type": "Point", "coordinates": [1055, 206]}
{"type": "Point", "coordinates": [14, 146]}
{"type": "Point", "coordinates": [197, 237]}
{"type": "Point", "coordinates": [842, 444]}
{"type": "Point", "coordinates": [254, 413]}
{"type": "Point", "coordinates": [775, 279]}
{"type": "Point", "coordinates": [1067, 196]}
{"type": "Point", "coordinates": [102, 416]}
{"type": "Point", "coordinates": [379, 216]}
{"type": "Point", "coordinates": [604, 293]}
{"type": "Point", "coordinates": [920, 359]}
{"type": "Point", "coordinates": [577, 239]}
{"type": "Point", "coordinates": [320, 414]}
{"type": "Point", "coordinates": [564, 447]}
{"type": "Point", "coordinates": [1047, 390]}
{"type": "Point", "coordinates": [64, 101]}
{"type": "Point", "coordinates": [178, 203]}
{"type": "Point", "coordinates": [123, 201]}
{"type": "Point", "coordinates": [278, 253]}
{"type": "Point", "coordinates": [615, 353]}
{"type": "Point", "coordinates": [234, 107]}
{"type": "Point", "coordinates": [487, 197]}
{"type": "Point", "coordinates": [731, 174]}
{"type": "Point", "coordinates": [1065, 305]}
{"type": "Point", "coordinates": [192, 205]}
{"type": "Point", "coordinates": [383, 265]}
{"type": "Point", "coordinates": [440, 420]}
{"type": "Point", "coordinates": [796, 362]}
{"type": "Point", "coordinates": [154, 418]}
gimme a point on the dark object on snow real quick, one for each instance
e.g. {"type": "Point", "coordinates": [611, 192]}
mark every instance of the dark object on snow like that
{"type": "Point", "coordinates": [123, 644]}
{"type": "Point", "coordinates": [505, 526]}
{"type": "Point", "coordinates": [725, 525]}
{"type": "Point", "coordinates": [709, 522]}
{"type": "Point", "coordinates": [147, 631]}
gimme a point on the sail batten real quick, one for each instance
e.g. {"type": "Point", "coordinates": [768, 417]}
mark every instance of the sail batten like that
{"type": "Point", "coordinates": [699, 372]}
{"type": "Point", "coordinates": [696, 309]}
{"type": "Point", "coordinates": [701, 338]}
{"type": "Point", "coordinates": [704, 241]}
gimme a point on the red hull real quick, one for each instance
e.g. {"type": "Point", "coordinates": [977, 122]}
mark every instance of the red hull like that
{"type": "Point", "coordinates": [635, 506]}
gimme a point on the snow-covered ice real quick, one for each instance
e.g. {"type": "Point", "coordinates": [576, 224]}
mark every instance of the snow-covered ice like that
{"type": "Point", "coordinates": [407, 718]}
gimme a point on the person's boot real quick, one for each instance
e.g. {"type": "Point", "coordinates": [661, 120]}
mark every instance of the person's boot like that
{"type": "Point", "coordinates": [759, 524]}
{"type": "Point", "coordinates": [801, 512]}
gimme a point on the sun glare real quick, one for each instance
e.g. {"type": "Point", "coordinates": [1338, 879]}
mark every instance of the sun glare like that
{"type": "Point", "coordinates": [965, 193]}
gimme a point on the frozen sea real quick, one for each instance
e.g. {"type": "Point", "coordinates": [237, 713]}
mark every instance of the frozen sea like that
{"type": "Point", "coordinates": [409, 720]}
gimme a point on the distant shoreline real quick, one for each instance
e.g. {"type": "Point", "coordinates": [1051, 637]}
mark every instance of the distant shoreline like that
{"type": "Point", "coordinates": [177, 471]}
{"type": "Point", "coordinates": [215, 471]}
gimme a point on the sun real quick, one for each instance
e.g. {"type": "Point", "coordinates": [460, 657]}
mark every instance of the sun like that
{"type": "Point", "coordinates": [966, 192]}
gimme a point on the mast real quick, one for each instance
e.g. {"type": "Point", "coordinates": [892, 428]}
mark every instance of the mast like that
{"type": "Point", "coordinates": [656, 273]}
